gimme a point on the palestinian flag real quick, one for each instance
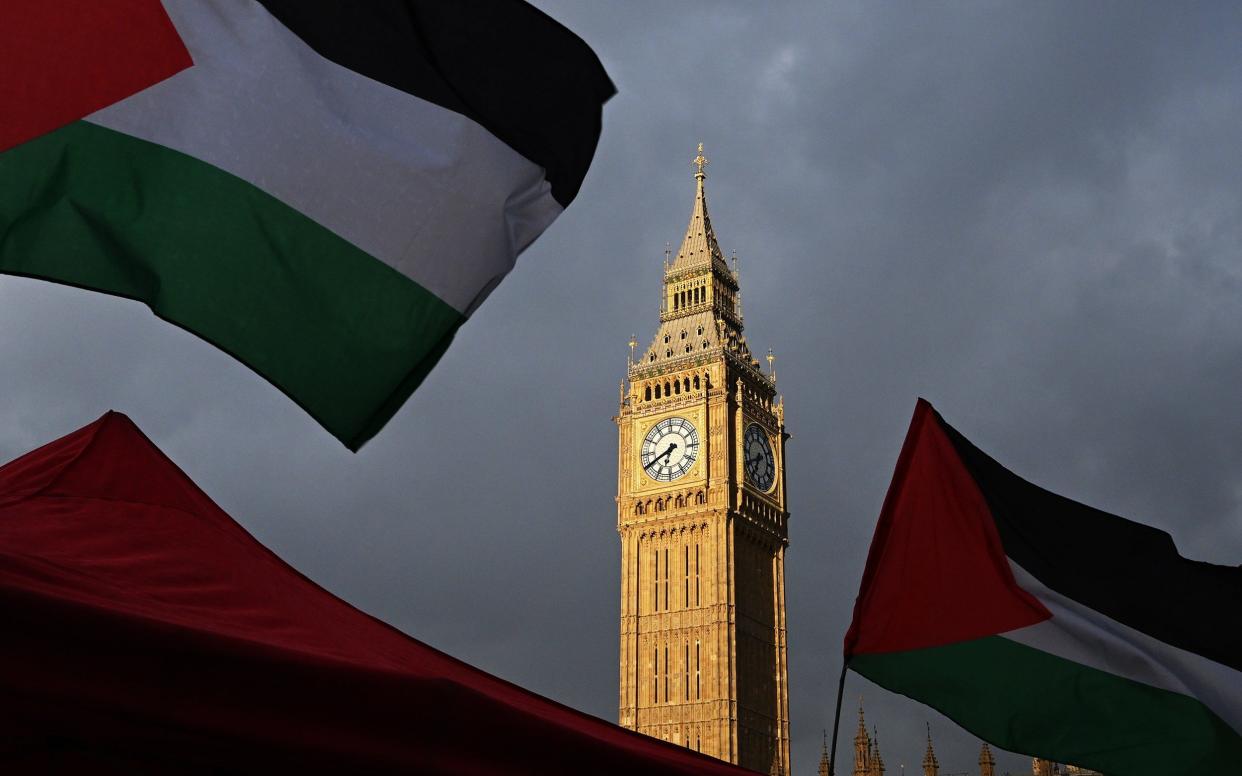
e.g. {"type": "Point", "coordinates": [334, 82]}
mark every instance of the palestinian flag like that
{"type": "Point", "coordinates": [325, 190]}
{"type": "Point", "coordinates": [1045, 626]}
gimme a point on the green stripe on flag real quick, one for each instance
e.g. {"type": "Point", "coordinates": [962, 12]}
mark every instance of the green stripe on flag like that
{"type": "Point", "coordinates": [1030, 701]}
{"type": "Point", "coordinates": [344, 335]}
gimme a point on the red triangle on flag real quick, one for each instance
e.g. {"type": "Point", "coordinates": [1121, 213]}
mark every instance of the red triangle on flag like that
{"type": "Point", "coordinates": [937, 572]}
{"type": "Point", "coordinates": [63, 59]}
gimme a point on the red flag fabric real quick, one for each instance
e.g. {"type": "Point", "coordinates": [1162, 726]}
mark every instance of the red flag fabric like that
{"type": "Point", "coordinates": [144, 631]}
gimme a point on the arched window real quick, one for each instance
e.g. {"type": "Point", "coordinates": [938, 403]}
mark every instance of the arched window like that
{"type": "Point", "coordinates": [701, 498]}
{"type": "Point", "coordinates": [696, 384]}
{"type": "Point", "coordinates": [685, 680]}
{"type": "Point", "coordinates": [647, 393]}
{"type": "Point", "coordinates": [657, 390]}
{"type": "Point", "coordinates": [655, 674]}
{"type": "Point", "coordinates": [677, 386]}
{"type": "Point", "coordinates": [687, 382]}
{"type": "Point", "coordinates": [659, 505]}
{"type": "Point", "coordinates": [666, 670]}
{"type": "Point", "coordinates": [667, 392]}
{"type": "Point", "coordinates": [698, 679]}
{"type": "Point", "coordinates": [638, 508]}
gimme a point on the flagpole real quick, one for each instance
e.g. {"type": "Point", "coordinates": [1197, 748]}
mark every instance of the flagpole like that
{"type": "Point", "coordinates": [836, 723]}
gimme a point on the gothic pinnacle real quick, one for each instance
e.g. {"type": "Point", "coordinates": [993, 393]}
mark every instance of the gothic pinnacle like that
{"type": "Point", "coordinates": [931, 767]}
{"type": "Point", "coordinates": [987, 763]}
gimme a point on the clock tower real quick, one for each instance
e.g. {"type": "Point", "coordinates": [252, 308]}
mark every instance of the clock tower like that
{"type": "Point", "coordinates": [703, 521]}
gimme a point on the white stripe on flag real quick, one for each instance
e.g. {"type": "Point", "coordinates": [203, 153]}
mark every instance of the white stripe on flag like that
{"type": "Point", "coordinates": [1082, 635]}
{"type": "Point", "coordinates": [426, 190]}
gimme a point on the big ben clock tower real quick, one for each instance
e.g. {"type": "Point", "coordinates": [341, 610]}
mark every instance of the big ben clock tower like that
{"type": "Point", "coordinates": [703, 521]}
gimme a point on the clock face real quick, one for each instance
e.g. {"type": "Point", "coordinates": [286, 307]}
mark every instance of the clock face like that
{"type": "Point", "coordinates": [760, 463]}
{"type": "Point", "coordinates": [669, 449]}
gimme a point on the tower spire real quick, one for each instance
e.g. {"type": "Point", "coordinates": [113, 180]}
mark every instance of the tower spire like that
{"type": "Point", "coordinates": [699, 247]}
{"type": "Point", "coordinates": [931, 767]}
{"type": "Point", "coordinates": [877, 760]}
{"type": "Point", "coordinates": [862, 745]}
{"type": "Point", "coordinates": [825, 765]}
{"type": "Point", "coordinates": [987, 763]}
{"type": "Point", "coordinates": [699, 290]}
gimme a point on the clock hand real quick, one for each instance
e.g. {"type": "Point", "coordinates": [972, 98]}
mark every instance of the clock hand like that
{"type": "Point", "coordinates": [667, 452]}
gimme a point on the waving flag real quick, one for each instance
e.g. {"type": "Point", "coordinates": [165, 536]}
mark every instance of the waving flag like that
{"type": "Point", "coordinates": [324, 190]}
{"type": "Point", "coordinates": [1043, 625]}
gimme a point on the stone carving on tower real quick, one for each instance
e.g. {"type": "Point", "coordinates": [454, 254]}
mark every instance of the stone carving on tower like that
{"type": "Point", "coordinates": [703, 522]}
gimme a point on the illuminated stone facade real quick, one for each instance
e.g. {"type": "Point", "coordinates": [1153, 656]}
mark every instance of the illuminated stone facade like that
{"type": "Point", "coordinates": [702, 518]}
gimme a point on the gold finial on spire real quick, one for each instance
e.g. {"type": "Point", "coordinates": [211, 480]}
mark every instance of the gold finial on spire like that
{"type": "Point", "coordinates": [771, 367]}
{"type": "Point", "coordinates": [633, 344]}
{"type": "Point", "coordinates": [700, 162]}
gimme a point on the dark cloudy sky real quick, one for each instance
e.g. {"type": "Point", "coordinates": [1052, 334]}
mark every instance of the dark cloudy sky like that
{"type": "Point", "coordinates": [1028, 213]}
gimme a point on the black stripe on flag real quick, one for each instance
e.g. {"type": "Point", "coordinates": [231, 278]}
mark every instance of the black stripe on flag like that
{"type": "Point", "coordinates": [1124, 570]}
{"type": "Point", "coordinates": [503, 63]}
